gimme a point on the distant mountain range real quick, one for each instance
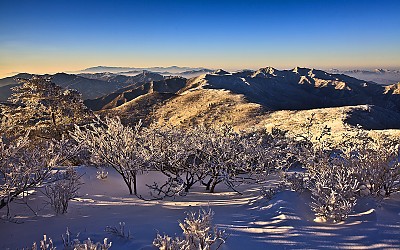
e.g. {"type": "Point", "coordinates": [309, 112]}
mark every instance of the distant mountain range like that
{"type": "Point", "coordinates": [90, 86]}
{"type": "Point", "coordinates": [244, 98]}
{"type": "Point", "coordinates": [222, 96]}
{"type": "Point", "coordinates": [381, 76]}
{"type": "Point", "coordinates": [129, 70]}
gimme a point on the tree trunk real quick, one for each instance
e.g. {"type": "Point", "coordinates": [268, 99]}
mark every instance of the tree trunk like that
{"type": "Point", "coordinates": [128, 184]}
{"type": "Point", "coordinates": [207, 184]}
{"type": "Point", "coordinates": [212, 189]}
{"type": "Point", "coordinates": [214, 184]}
{"type": "Point", "coordinates": [134, 184]}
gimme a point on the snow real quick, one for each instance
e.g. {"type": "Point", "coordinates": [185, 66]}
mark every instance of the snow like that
{"type": "Point", "coordinates": [284, 222]}
{"type": "Point", "coordinates": [245, 81]}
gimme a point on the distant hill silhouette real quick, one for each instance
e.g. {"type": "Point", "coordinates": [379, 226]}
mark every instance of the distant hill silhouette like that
{"type": "Point", "coordinates": [91, 86]}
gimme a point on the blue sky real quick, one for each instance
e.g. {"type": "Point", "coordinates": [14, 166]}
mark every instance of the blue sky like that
{"type": "Point", "coordinates": [49, 36]}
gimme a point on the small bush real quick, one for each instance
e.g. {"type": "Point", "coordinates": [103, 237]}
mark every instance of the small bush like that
{"type": "Point", "coordinates": [198, 231]}
{"type": "Point", "coordinates": [63, 190]}
{"type": "Point", "coordinates": [333, 190]}
{"type": "Point", "coordinates": [119, 231]}
{"type": "Point", "coordinates": [296, 182]}
{"type": "Point", "coordinates": [102, 174]}
{"type": "Point", "coordinates": [90, 245]}
{"type": "Point", "coordinates": [45, 244]}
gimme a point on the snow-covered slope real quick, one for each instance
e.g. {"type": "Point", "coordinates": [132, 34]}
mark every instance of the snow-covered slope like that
{"type": "Point", "coordinates": [284, 222]}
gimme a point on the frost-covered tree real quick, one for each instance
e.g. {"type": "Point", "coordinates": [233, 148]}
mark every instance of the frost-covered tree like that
{"type": "Point", "coordinates": [212, 156]}
{"type": "Point", "coordinates": [111, 143]}
{"type": "Point", "coordinates": [335, 173]}
{"type": "Point", "coordinates": [378, 162]}
{"type": "Point", "coordinates": [25, 166]}
{"type": "Point", "coordinates": [221, 154]}
{"type": "Point", "coordinates": [39, 105]}
{"type": "Point", "coordinates": [173, 152]}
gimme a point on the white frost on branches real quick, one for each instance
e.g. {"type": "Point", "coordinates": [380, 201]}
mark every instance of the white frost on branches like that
{"type": "Point", "coordinates": [199, 234]}
{"type": "Point", "coordinates": [111, 143]}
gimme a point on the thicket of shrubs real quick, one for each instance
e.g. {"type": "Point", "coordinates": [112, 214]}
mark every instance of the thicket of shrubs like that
{"type": "Point", "coordinates": [335, 176]}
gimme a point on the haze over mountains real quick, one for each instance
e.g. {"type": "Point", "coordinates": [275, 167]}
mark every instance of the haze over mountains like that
{"type": "Point", "coordinates": [381, 76]}
{"type": "Point", "coordinates": [243, 98]}
{"type": "Point", "coordinates": [187, 72]}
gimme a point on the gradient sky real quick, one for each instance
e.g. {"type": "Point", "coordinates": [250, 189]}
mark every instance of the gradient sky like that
{"type": "Point", "coordinates": [50, 36]}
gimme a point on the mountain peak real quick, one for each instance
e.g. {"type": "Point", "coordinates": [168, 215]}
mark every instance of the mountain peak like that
{"type": "Point", "coordinates": [220, 72]}
{"type": "Point", "coordinates": [265, 72]}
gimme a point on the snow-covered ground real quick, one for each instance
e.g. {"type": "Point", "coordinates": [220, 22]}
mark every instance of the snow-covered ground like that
{"type": "Point", "coordinates": [285, 222]}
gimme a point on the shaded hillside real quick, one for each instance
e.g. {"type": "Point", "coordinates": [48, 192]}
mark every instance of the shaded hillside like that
{"type": "Point", "coordinates": [5, 92]}
{"type": "Point", "coordinates": [373, 117]}
{"type": "Point", "coordinates": [7, 83]}
{"type": "Point", "coordinates": [170, 85]}
{"type": "Point", "coordinates": [118, 98]}
{"type": "Point", "coordinates": [297, 89]}
{"type": "Point", "coordinates": [91, 86]}
{"type": "Point", "coordinates": [140, 108]}
{"type": "Point", "coordinates": [12, 79]}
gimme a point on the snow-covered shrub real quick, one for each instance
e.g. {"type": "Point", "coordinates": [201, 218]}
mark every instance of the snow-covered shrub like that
{"type": "Point", "coordinates": [45, 244]}
{"type": "Point", "coordinates": [379, 169]}
{"type": "Point", "coordinates": [73, 243]}
{"type": "Point", "coordinates": [331, 174]}
{"type": "Point", "coordinates": [64, 189]}
{"type": "Point", "coordinates": [333, 189]}
{"type": "Point", "coordinates": [269, 192]}
{"type": "Point", "coordinates": [68, 240]}
{"type": "Point", "coordinates": [199, 233]}
{"type": "Point", "coordinates": [90, 245]}
{"type": "Point", "coordinates": [295, 181]}
{"type": "Point", "coordinates": [377, 159]}
{"type": "Point", "coordinates": [166, 242]}
{"type": "Point", "coordinates": [102, 174]}
{"type": "Point", "coordinates": [119, 231]}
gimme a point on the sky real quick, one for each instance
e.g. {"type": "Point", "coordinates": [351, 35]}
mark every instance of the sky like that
{"type": "Point", "coordinates": [55, 36]}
